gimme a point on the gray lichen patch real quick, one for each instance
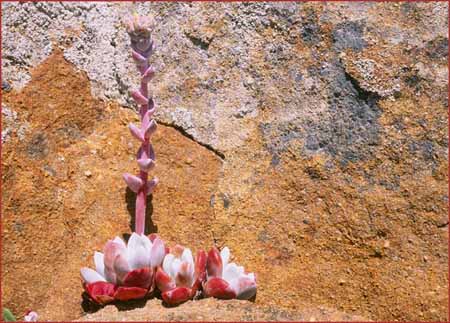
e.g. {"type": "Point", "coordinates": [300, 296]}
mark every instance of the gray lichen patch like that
{"type": "Point", "coordinates": [347, 130]}
{"type": "Point", "coordinates": [349, 35]}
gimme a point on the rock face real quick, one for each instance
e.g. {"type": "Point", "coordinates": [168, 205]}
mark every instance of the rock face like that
{"type": "Point", "coordinates": [310, 138]}
{"type": "Point", "coordinates": [212, 310]}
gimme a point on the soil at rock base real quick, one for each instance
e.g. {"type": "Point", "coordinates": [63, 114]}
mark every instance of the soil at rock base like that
{"type": "Point", "coordinates": [353, 219]}
{"type": "Point", "coordinates": [212, 310]}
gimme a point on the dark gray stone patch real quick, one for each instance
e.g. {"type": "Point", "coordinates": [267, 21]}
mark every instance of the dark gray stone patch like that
{"type": "Point", "coordinates": [310, 30]}
{"type": "Point", "coordinates": [277, 137]}
{"type": "Point", "coordinates": [225, 200]}
{"type": "Point", "coordinates": [38, 147]}
{"type": "Point", "coordinates": [351, 130]}
{"type": "Point", "coordinates": [6, 87]}
{"type": "Point", "coordinates": [349, 35]}
{"type": "Point", "coordinates": [425, 148]}
{"type": "Point", "coordinates": [437, 48]}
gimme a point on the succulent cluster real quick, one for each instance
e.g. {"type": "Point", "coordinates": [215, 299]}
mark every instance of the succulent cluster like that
{"type": "Point", "coordinates": [133, 270]}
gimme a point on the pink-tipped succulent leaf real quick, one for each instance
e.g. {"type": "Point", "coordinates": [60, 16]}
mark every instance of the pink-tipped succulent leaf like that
{"type": "Point", "coordinates": [134, 183]}
{"type": "Point", "coordinates": [180, 277]}
{"type": "Point", "coordinates": [124, 272]}
{"type": "Point", "coordinates": [148, 74]}
{"type": "Point", "coordinates": [227, 280]}
{"type": "Point", "coordinates": [136, 132]}
{"type": "Point", "coordinates": [31, 316]}
{"type": "Point", "coordinates": [146, 164]}
{"type": "Point", "coordinates": [138, 97]}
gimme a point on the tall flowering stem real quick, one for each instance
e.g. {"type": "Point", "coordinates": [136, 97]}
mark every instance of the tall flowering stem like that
{"type": "Point", "coordinates": [139, 29]}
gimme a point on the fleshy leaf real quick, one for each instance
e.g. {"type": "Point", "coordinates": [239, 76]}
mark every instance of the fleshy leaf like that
{"type": "Point", "coordinates": [148, 74]}
{"type": "Point", "coordinates": [134, 183]}
{"type": "Point", "coordinates": [8, 316]}
{"type": "Point", "coordinates": [142, 277]}
{"type": "Point", "coordinates": [91, 276]}
{"type": "Point", "coordinates": [146, 164]}
{"type": "Point", "coordinates": [151, 185]}
{"type": "Point", "coordinates": [225, 256]}
{"type": "Point", "coordinates": [99, 263]}
{"type": "Point", "coordinates": [147, 116]}
{"type": "Point", "coordinates": [163, 281]}
{"type": "Point", "coordinates": [101, 292]}
{"type": "Point", "coordinates": [177, 295]}
{"type": "Point", "coordinates": [138, 58]}
{"type": "Point", "coordinates": [150, 129]}
{"type": "Point", "coordinates": [136, 132]}
{"type": "Point", "coordinates": [157, 253]}
{"type": "Point", "coordinates": [138, 251]}
{"type": "Point", "coordinates": [219, 288]}
{"type": "Point", "coordinates": [185, 275]}
{"type": "Point", "coordinates": [214, 263]}
{"type": "Point", "coordinates": [139, 98]}
{"type": "Point", "coordinates": [200, 266]}
{"type": "Point", "coordinates": [246, 287]}
{"type": "Point", "coordinates": [128, 293]}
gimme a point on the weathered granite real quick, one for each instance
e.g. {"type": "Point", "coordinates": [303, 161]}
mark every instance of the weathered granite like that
{"type": "Point", "coordinates": [311, 138]}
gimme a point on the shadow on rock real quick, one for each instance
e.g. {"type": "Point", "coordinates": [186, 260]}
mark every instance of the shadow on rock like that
{"type": "Point", "coordinates": [130, 305]}
{"type": "Point", "coordinates": [89, 306]}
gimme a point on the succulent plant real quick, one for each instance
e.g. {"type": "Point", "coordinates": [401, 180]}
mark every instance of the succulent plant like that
{"type": "Point", "coordinates": [8, 316]}
{"type": "Point", "coordinates": [124, 272]}
{"type": "Point", "coordinates": [180, 277]}
{"type": "Point", "coordinates": [227, 280]}
{"type": "Point", "coordinates": [31, 316]}
{"type": "Point", "coordinates": [139, 29]}
{"type": "Point", "coordinates": [131, 271]}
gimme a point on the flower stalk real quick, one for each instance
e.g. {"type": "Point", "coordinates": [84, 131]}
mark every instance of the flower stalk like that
{"type": "Point", "coordinates": [139, 29]}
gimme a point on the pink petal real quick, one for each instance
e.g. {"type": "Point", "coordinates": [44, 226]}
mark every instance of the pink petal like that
{"type": "Point", "coordinates": [177, 295]}
{"type": "Point", "coordinates": [146, 164]}
{"type": "Point", "coordinates": [218, 288]}
{"type": "Point", "coordinates": [127, 293]}
{"type": "Point", "coordinates": [142, 277]}
{"type": "Point", "coordinates": [214, 263]}
{"type": "Point", "coordinates": [136, 132]}
{"type": "Point", "coordinates": [246, 288]}
{"type": "Point", "coordinates": [100, 292]}
{"type": "Point", "coordinates": [138, 97]}
{"type": "Point", "coordinates": [148, 74]}
{"type": "Point", "coordinates": [134, 183]}
{"type": "Point", "coordinates": [150, 129]}
{"type": "Point", "coordinates": [158, 252]}
{"type": "Point", "coordinates": [163, 280]}
{"type": "Point", "coordinates": [151, 185]}
{"type": "Point", "coordinates": [91, 276]}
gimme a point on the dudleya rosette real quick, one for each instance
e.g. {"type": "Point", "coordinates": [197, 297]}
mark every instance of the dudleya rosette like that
{"type": "Point", "coordinates": [227, 280]}
{"type": "Point", "coordinates": [124, 272]}
{"type": "Point", "coordinates": [180, 277]}
{"type": "Point", "coordinates": [132, 271]}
